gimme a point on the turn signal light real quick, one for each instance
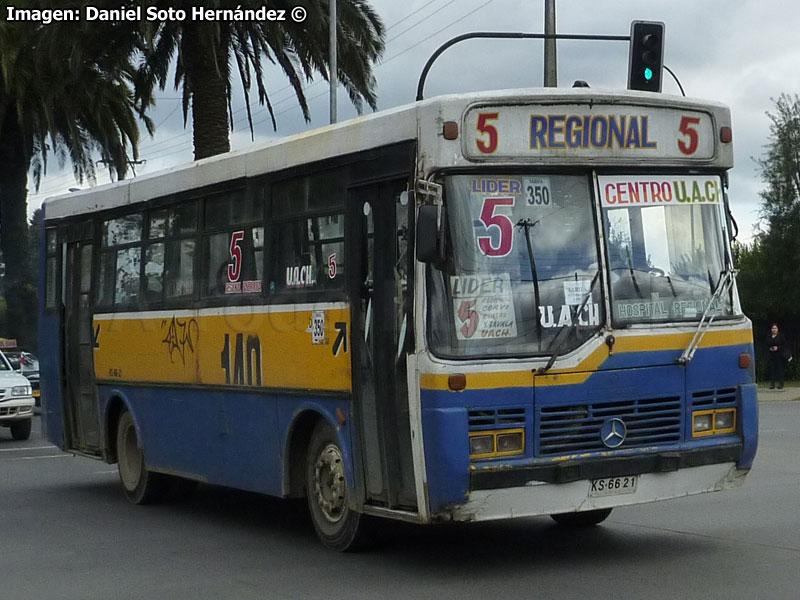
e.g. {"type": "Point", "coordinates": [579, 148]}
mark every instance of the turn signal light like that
{"type": "Point", "coordinates": [450, 130]}
{"type": "Point", "coordinates": [457, 382]}
{"type": "Point", "coordinates": [744, 360]}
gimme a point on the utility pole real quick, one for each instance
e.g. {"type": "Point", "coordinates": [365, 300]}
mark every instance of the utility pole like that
{"type": "Point", "coordinates": [333, 71]}
{"type": "Point", "coordinates": [550, 63]}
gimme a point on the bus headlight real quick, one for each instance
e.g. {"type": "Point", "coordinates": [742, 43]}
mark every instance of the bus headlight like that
{"type": "Point", "coordinates": [713, 422]}
{"type": "Point", "coordinates": [725, 421]}
{"type": "Point", "coordinates": [509, 443]}
{"type": "Point", "coordinates": [500, 442]}
{"type": "Point", "coordinates": [21, 390]}
{"type": "Point", "coordinates": [481, 446]}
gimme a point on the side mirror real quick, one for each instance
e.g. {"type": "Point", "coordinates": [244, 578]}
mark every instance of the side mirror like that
{"type": "Point", "coordinates": [430, 238]}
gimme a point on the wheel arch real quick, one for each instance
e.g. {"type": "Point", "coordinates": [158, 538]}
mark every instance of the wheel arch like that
{"type": "Point", "coordinates": [296, 446]}
{"type": "Point", "coordinates": [115, 406]}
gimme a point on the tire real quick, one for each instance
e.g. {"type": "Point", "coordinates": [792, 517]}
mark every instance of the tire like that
{"type": "Point", "coordinates": [582, 519]}
{"type": "Point", "coordinates": [338, 526]}
{"type": "Point", "coordinates": [21, 430]}
{"type": "Point", "coordinates": [139, 485]}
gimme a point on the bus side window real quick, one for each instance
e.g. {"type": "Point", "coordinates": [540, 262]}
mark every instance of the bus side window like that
{"type": "Point", "coordinates": [309, 254]}
{"type": "Point", "coordinates": [120, 261]}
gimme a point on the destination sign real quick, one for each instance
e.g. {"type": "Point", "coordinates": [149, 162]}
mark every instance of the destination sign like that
{"type": "Point", "coordinates": [658, 190]}
{"type": "Point", "coordinates": [600, 131]}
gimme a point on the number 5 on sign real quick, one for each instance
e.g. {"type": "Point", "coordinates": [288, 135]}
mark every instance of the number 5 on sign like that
{"type": "Point", "coordinates": [502, 224]}
{"type": "Point", "coordinates": [488, 144]}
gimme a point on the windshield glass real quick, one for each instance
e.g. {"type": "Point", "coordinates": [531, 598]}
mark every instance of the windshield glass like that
{"type": "Point", "coordinates": [522, 257]}
{"type": "Point", "coordinates": [666, 247]}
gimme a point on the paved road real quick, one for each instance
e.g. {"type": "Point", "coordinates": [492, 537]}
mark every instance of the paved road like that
{"type": "Point", "coordinates": [66, 532]}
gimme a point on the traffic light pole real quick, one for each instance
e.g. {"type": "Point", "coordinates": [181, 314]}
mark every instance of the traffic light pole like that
{"type": "Point", "coordinates": [550, 56]}
{"type": "Point", "coordinates": [507, 35]}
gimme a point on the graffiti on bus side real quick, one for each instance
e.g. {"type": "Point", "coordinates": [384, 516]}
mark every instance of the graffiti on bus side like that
{"type": "Point", "coordinates": [181, 336]}
{"type": "Point", "coordinates": [244, 358]}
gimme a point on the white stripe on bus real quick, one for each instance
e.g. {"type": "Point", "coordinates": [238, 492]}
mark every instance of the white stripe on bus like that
{"type": "Point", "coordinates": [224, 311]}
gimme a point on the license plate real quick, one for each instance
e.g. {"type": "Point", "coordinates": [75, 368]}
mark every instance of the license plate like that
{"type": "Point", "coordinates": [613, 486]}
{"type": "Point", "coordinates": [36, 393]}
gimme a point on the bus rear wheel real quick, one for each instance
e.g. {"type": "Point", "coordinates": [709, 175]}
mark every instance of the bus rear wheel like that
{"type": "Point", "coordinates": [139, 485]}
{"type": "Point", "coordinates": [337, 525]}
{"type": "Point", "coordinates": [585, 518]}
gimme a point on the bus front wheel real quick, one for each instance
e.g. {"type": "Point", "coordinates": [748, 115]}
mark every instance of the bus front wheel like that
{"type": "Point", "coordinates": [337, 525]}
{"type": "Point", "coordinates": [582, 519]}
{"type": "Point", "coordinates": [139, 485]}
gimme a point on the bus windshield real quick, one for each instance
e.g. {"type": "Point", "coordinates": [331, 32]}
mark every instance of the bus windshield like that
{"type": "Point", "coordinates": [522, 260]}
{"type": "Point", "coordinates": [666, 247]}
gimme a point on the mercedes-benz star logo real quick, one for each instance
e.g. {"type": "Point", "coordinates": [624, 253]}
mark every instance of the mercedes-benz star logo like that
{"type": "Point", "coordinates": [613, 433]}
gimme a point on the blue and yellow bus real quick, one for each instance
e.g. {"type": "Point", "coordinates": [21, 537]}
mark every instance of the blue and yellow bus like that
{"type": "Point", "coordinates": [474, 307]}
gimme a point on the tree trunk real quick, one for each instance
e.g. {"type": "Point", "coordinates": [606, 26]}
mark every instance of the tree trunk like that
{"type": "Point", "coordinates": [207, 73]}
{"type": "Point", "coordinates": [15, 160]}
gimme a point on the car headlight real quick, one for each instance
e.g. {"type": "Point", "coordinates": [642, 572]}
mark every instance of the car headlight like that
{"type": "Point", "coordinates": [21, 390]}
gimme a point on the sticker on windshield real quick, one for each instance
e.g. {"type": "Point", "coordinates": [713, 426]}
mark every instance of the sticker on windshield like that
{"type": "Point", "coordinates": [659, 190]}
{"type": "Point", "coordinates": [536, 191]}
{"type": "Point", "coordinates": [483, 306]}
{"type": "Point", "coordinates": [663, 309]}
{"type": "Point", "coordinates": [576, 291]}
{"type": "Point", "coordinates": [563, 316]}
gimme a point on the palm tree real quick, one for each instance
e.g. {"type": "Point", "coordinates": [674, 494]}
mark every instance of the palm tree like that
{"type": "Point", "coordinates": [66, 90]}
{"type": "Point", "coordinates": [204, 50]}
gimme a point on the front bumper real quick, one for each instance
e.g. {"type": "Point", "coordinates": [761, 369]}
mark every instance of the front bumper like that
{"type": "Point", "coordinates": [539, 498]}
{"type": "Point", "coordinates": [567, 471]}
{"type": "Point", "coordinates": [16, 408]}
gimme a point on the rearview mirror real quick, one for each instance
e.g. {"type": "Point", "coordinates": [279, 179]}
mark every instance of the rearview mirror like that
{"type": "Point", "coordinates": [430, 238]}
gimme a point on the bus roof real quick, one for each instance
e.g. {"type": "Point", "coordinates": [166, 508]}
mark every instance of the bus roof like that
{"type": "Point", "coordinates": [420, 120]}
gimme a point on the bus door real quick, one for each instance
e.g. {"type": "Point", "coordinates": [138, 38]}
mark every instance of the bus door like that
{"type": "Point", "coordinates": [80, 399]}
{"type": "Point", "coordinates": [382, 305]}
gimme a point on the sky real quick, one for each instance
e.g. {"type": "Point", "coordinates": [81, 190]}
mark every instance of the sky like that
{"type": "Point", "coordinates": [742, 53]}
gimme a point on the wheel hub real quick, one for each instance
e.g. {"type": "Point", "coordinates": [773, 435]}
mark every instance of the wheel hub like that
{"type": "Point", "coordinates": [329, 483]}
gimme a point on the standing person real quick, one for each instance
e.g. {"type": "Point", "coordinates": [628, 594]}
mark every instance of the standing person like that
{"type": "Point", "coordinates": [777, 346]}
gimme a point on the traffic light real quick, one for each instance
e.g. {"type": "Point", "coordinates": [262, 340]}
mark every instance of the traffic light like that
{"type": "Point", "coordinates": [646, 59]}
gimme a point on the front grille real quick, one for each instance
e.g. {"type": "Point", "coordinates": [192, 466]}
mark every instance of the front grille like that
{"type": "Point", "coordinates": [493, 418]}
{"type": "Point", "coordinates": [8, 411]}
{"type": "Point", "coordinates": [571, 429]}
{"type": "Point", "coordinates": [710, 399]}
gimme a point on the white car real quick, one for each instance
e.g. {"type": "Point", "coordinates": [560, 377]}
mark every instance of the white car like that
{"type": "Point", "coordinates": [16, 401]}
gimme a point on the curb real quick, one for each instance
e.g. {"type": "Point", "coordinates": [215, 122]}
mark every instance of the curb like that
{"type": "Point", "coordinates": [791, 394]}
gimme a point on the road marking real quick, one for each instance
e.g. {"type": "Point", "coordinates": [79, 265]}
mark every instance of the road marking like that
{"type": "Point", "coordinates": [27, 448]}
{"type": "Point", "coordinates": [38, 457]}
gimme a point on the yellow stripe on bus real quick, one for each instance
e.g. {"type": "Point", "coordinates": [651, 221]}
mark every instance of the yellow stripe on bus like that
{"type": "Point", "coordinates": [582, 371]}
{"type": "Point", "coordinates": [293, 349]}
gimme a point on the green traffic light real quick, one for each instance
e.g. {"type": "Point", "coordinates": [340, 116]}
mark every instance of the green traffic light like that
{"type": "Point", "coordinates": [648, 73]}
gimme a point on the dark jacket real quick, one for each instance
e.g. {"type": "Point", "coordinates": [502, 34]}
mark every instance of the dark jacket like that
{"type": "Point", "coordinates": [779, 343]}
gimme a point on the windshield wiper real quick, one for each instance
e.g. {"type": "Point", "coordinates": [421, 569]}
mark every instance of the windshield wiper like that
{"type": "Point", "coordinates": [570, 329]}
{"type": "Point", "coordinates": [527, 225]}
{"type": "Point", "coordinates": [726, 281]}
